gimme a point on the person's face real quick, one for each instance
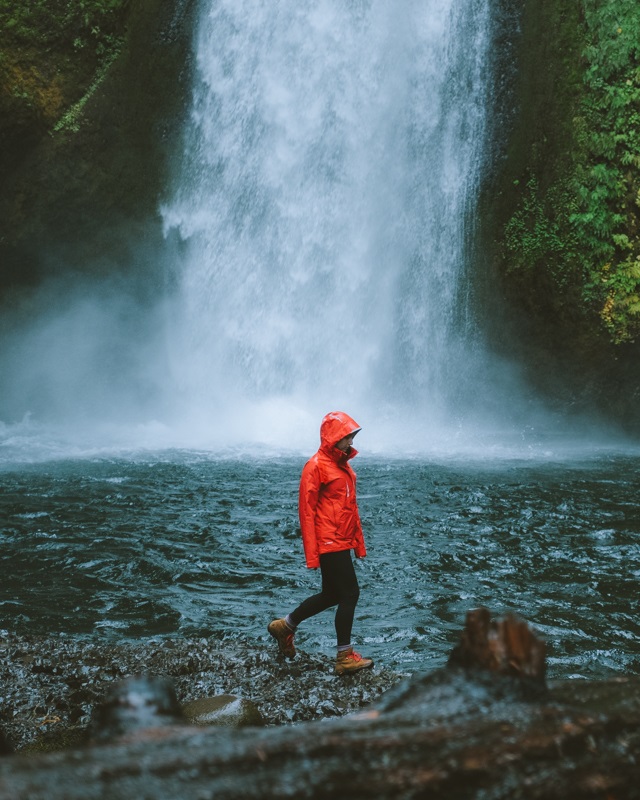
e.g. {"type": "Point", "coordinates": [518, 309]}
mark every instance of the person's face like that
{"type": "Point", "coordinates": [345, 443]}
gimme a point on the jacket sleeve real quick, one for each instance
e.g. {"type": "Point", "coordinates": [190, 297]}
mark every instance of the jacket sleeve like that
{"type": "Point", "coordinates": [360, 550]}
{"type": "Point", "coordinates": [307, 505]}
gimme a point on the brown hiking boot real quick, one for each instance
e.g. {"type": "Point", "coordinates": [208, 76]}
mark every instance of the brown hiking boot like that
{"type": "Point", "coordinates": [350, 661]}
{"type": "Point", "coordinates": [283, 634]}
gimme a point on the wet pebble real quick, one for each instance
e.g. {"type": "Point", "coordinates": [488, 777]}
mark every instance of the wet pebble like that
{"type": "Point", "coordinates": [53, 685]}
{"type": "Point", "coordinates": [225, 709]}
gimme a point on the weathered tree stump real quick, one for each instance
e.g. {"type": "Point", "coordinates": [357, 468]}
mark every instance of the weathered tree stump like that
{"type": "Point", "coordinates": [506, 646]}
{"type": "Point", "coordinates": [484, 727]}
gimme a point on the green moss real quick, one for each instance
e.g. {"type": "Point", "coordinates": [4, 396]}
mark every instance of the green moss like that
{"type": "Point", "coordinates": [70, 121]}
{"type": "Point", "coordinates": [54, 53]}
{"type": "Point", "coordinates": [77, 200]}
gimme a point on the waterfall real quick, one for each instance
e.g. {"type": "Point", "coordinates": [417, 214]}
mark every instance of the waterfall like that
{"type": "Point", "coordinates": [323, 209]}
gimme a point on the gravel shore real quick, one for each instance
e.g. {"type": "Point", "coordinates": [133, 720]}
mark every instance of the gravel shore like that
{"type": "Point", "coordinates": [49, 686]}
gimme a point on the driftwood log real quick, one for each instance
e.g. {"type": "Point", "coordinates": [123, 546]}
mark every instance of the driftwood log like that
{"type": "Point", "coordinates": [486, 726]}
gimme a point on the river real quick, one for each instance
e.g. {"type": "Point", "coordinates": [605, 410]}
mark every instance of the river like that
{"type": "Point", "coordinates": [189, 543]}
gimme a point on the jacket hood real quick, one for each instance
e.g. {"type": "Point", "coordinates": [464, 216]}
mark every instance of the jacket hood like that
{"type": "Point", "coordinates": [335, 426]}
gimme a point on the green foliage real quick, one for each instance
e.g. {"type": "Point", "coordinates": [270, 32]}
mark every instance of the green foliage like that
{"type": "Point", "coordinates": [535, 235]}
{"type": "Point", "coordinates": [70, 121]}
{"type": "Point", "coordinates": [584, 230]}
{"type": "Point", "coordinates": [55, 50]}
{"type": "Point", "coordinates": [609, 184]}
{"type": "Point", "coordinates": [80, 24]}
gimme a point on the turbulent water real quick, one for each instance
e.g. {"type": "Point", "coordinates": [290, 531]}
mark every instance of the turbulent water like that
{"type": "Point", "coordinates": [184, 543]}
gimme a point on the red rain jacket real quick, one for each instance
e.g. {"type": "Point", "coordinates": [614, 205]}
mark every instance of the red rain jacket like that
{"type": "Point", "coordinates": [329, 518]}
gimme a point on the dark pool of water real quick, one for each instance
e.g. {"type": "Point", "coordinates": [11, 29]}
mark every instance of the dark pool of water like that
{"type": "Point", "coordinates": [186, 543]}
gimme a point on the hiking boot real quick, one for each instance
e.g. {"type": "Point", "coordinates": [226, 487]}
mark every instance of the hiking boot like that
{"type": "Point", "coordinates": [283, 634]}
{"type": "Point", "coordinates": [350, 661]}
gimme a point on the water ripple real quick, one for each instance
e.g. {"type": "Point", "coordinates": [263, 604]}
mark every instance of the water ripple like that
{"type": "Point", "coordinates": [168, 545]}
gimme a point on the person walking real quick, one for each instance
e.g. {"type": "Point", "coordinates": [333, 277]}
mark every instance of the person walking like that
{"type": "Point", "coordinates": [331, 529]}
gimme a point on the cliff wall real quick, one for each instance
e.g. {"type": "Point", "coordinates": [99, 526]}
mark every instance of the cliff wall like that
{"type": "Point", "coordinates": [90, 105]}
{"type": "Point", "coordinates": [560, 214]}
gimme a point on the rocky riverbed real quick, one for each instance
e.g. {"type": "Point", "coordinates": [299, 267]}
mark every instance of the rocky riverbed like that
{"type": "Point", "coordinates": [50, 686]}
{"type": "Point", "coordinates": [485, 725]}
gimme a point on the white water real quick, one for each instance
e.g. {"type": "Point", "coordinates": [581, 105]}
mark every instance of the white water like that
{"type": "Point", "coordinates": [324, 206]}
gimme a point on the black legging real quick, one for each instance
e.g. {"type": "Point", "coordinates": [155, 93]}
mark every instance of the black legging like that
{"type": "Point", "coordinates": [339, 587]}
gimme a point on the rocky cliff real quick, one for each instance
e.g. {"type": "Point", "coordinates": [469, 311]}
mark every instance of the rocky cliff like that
{"type": "Point", "coordinates": [89, 106]}
{"type": "Point", "coordinates": [561, 211]}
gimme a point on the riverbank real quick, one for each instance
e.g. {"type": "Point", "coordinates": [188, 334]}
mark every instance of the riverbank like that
{"type": "Point", "coordinates": [50, 685]}
{"type": "Point", "coordinates": [486, 724]}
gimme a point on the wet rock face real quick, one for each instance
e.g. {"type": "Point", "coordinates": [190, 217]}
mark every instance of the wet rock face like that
{"type": "Point", "coordinates": [75, 196]}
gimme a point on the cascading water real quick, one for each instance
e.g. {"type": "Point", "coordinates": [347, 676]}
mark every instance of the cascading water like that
{"type": "Point", "coordinates": [331, 163]}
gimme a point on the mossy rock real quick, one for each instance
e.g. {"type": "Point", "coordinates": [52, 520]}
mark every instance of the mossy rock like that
{"type": "Point", "coordinates": [86, 141]}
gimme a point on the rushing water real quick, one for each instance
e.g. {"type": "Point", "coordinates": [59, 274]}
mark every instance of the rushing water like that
{"type": "Point", "coordinates": [182, 543]}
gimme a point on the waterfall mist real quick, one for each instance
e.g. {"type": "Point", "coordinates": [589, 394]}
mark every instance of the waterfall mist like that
{"type": "Point", "coordinates": [81, 366]}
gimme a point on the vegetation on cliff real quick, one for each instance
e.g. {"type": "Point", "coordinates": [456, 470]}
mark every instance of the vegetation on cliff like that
{"type": "Point", "coordinates": [51, 53]}
{"type": "Point", "coordinates": [93, 25]}
{"type": "Point", "coordinates": [91, 98]}
{"type": "Point", "coordinates": [53, 56]}
{"type": "Point", "coordinates": [575, 229]}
